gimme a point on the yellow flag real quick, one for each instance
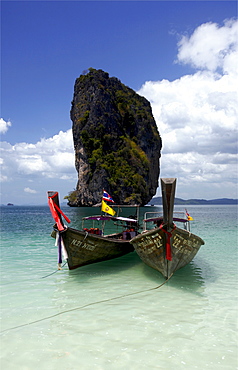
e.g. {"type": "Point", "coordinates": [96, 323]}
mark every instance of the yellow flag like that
{"type": "Point", "coordinates": [188, 216]}
{"type": "Point", "coordinates": [107, 209]}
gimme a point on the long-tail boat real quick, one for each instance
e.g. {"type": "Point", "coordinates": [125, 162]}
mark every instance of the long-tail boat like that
{"type": "Point", "coordinates": [167, 247]}
{"type": "Point", "coordinates": [90, 245]}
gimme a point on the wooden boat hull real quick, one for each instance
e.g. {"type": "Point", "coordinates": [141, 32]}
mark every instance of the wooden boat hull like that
{"type": "Point", "coordinates": [84, 248]}
{"type": "Point", "coordinates": [151, 248]}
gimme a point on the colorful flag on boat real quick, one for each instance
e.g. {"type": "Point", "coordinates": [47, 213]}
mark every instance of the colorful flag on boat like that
{"type": "Point", "coordinates": [107, 209]}
{"type": "Point", "coordinates": [107, 197]}
{"type": "Point", "coordinates": [188, 216]}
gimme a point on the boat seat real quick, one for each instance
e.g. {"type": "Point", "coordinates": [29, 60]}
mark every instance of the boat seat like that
{"type": "Point", "coordinates": [93, 230]}
{"type": "Point", "coordinates": [128, 235]}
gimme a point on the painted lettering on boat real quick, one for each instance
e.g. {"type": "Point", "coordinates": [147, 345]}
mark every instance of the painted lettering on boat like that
{"type": "Point", "coordinates": [81, 244]}
{"type": "Point", "coordinates": [150, 243]}
{"type": "Point", "coordinates": [187, 245]}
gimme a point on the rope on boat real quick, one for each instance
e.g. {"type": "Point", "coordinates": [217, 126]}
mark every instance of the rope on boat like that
{"type": "Point", "coordinates": [86, 305]}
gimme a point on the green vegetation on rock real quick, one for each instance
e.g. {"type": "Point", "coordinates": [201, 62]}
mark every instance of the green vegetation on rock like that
{"type": "Point", "coordinates": [117, 144]}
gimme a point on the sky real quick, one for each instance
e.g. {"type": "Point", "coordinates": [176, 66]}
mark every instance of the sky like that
{"type": "Point", "coordinates": [180, 55]}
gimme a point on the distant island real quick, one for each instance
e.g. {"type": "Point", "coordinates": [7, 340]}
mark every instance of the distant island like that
{"type": "Point", "coordinates": [179, 201]}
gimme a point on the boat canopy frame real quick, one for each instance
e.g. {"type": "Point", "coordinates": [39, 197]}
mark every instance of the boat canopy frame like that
{"type": "Point", "coordinates": [134, 223]}
{"type": "Point", "coordinates": [179, 216]}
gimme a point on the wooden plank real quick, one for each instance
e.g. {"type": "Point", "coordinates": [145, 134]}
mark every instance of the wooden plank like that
{"type": "Point", "coordinates": [168, 186]}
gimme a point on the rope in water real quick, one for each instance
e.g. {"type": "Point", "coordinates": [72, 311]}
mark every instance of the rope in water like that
{"type": "Point", "coordinates": [84, 306]}
{"type": "Point", "coordinates": [54, 272]}
{"type": "Point", "coordinates": [42, 277]}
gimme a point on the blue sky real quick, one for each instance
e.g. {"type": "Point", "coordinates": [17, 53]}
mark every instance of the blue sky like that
{"type": "Point", "coordinates": [179, 55]}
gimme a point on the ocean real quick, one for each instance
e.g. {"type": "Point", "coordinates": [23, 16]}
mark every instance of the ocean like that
{"type": "Point", "coordinates": [116, 314]}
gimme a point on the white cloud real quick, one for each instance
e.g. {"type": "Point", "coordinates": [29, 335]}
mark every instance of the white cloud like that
{"type": "Point", "coordinates": [197, 114]}
{"type": "Point", "coordinates": [211, 47]}
{"type": "Point", "coordinates": [4, 126]}
{"type": "Point", "coordinates": [3, 178]}
{"type": "Point", "coordinates": [29, 190]}
{"type": "Point", "coordinates": [48, 164]}
{"type": "Point", "coordinates": [48, 158]}
{"type": "Point", "coordinates": [195, 110]}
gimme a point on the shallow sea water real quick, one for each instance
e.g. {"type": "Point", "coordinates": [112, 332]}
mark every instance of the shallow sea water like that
{"type": "Point", "coordinates": [117, 314]}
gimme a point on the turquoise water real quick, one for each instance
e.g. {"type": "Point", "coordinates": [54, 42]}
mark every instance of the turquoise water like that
{"type": "Point", "coordinates": [115, 314]}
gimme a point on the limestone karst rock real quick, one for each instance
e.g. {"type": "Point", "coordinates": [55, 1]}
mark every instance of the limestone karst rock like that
{"type": "Point", "coordinates": [116, 140]}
